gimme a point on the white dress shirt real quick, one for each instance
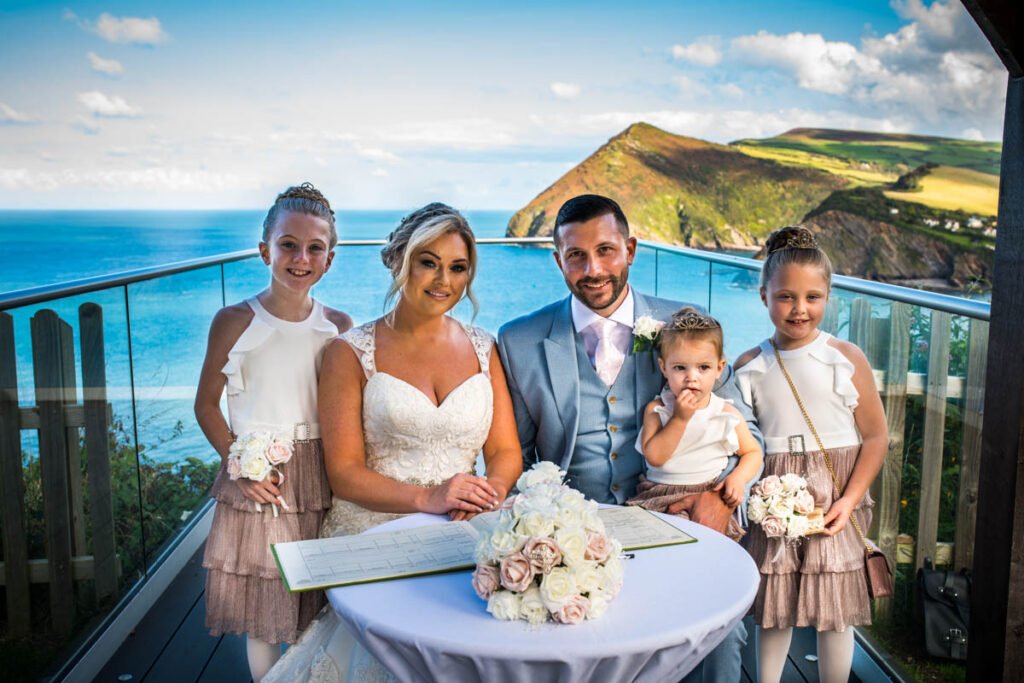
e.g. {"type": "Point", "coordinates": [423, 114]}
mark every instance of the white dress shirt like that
{"type": "Point", "coordinates": [583, 320]}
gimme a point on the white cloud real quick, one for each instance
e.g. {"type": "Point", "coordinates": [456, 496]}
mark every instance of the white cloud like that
{"type": "Point", "coordinates": [972, 134]}
{"type": "Point", "coordinates": [818, 64]}
{"type": "Point", "coordinates": [730, 90]}
{"type": "Point", "coordinates": [153, 179]}
{"type": "Point", "coordinates": [375, 153]}
{"type": "Point", "coordinates": [459, 133]}
{"type": "Point", "coordinates": [380, 173]}
{"type": "Point", "coordinates": [703, 51]}
{"type": "Point", "coordinates": [106, 66]}
{"type": "Point", "coordinates": [132, 30]}
{"type": "Point", "coordinates": [10, 115]}
{"type": "Point", "coordinates": [85, 125]}
{"type": "Point", "coordinates": [566, 91]}
{"type": "Point", "coordinates": [688, 86]}
{"type": "Point", "coordinates": [101, 104]}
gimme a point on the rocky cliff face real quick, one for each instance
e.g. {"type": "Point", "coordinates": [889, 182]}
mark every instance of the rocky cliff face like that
{"type": "Point", "coordinates": [875, 250]}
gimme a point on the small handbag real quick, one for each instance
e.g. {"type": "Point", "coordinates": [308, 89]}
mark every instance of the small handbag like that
{"type": "Point", "coordinates": [876, 565]}
{"type": "Point", "coordinates": [944, 609]}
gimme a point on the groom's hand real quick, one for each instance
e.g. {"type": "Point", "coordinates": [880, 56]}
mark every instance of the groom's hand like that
{"type": "Point", "coordinates": [707, 509]}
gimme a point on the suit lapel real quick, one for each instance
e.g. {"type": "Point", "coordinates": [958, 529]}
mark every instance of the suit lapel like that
{"type": "Point", "coordinates": [564, 374]}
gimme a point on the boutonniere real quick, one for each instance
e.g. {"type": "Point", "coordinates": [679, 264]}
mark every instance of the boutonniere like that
{"type": "Point", "coordinates": [646, 331]}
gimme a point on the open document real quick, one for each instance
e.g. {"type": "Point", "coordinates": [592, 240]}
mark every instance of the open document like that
{"type": "Point", "coordinates": [345, 560]}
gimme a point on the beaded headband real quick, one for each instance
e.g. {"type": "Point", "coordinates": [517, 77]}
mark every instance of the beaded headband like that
{"type": "Point", "coordinates": [692, 320]}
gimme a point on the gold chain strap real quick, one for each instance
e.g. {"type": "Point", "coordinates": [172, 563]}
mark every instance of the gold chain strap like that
{"type": "Point", "coordinates": [821, 446]}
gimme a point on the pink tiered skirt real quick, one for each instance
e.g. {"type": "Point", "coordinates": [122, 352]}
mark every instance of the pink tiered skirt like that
{"type": "Point", "coordinates": [244, 590]}
{"type": "Point", "coordinates": [657, 497]}
{"type": "Point", "coordinates": [819, 581]}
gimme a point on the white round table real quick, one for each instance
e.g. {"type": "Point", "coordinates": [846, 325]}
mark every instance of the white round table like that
{"type": "Point", "coordinates": [677, 603]}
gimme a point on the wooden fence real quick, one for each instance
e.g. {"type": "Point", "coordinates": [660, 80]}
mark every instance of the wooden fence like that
{"type": "Point", "coordinates": [886, 342]}
{"type": "Point", "coordinates": [72, 552]}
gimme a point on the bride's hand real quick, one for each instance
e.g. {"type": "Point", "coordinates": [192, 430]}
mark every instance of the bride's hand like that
{"type": "Point", "coordinates": [461, 492]}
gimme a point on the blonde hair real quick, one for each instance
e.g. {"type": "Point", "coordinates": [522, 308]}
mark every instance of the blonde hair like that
{"type": "Point", "coordinates": [691, 324]}
{"type": "Point", "coordinates": [304, 199]}
{"type": "Point", "coordinates": [794, 244]}
{"type": "Point", "coordinates": [419, 228]}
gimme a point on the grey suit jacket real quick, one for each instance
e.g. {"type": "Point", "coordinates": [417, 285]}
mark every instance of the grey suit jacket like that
{"type": "Point", "coordinates": [539, 353]}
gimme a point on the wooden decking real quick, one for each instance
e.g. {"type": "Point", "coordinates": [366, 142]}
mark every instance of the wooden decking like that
{"type": "Point", "coordinates": [172, 644]}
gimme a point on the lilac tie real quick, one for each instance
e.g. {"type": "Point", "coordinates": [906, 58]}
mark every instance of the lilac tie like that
{"type": "Point", "coordinates": [607, 358]}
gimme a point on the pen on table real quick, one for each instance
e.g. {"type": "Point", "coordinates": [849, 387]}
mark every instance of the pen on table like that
{"type": "Point", "coordinates": [627, 556]}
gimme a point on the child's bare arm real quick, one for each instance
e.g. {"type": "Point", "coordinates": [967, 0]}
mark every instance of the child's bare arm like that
{"type": "Point", "coordinates": [659, 442]}
{"type": "Point", "coordinates": [734, 486]}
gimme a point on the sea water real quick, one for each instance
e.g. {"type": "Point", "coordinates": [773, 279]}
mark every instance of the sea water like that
{"type": "Point", "coordinates": [155, 331]}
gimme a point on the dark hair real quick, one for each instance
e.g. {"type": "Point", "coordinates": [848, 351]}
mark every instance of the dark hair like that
{"type": "Point", "coordinates": [691, 323]}
{"type": "Point", "coordinates": [794, 244]}
{"type": "Point", "coordinates": [304, 199]}
{"type": "Point", "coordinates": [586, 207]}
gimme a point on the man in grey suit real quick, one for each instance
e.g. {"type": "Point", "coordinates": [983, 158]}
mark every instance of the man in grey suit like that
{"type": "Point", "coordinates": [579, 391]}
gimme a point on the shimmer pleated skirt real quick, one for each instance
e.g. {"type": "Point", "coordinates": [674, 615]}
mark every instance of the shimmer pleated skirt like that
{"type": "Point", "coordinates": [658, 497]}
{"type": "Point", "coordinates": [819, 581]}
{"type": "Point", "coordinates": [244, 590]}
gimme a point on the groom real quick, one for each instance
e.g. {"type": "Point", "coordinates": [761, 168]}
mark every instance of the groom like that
{"type": "Point", "coordinates": [579, 391]}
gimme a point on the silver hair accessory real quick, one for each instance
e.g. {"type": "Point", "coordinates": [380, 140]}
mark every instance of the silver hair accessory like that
{"type": "Point", "coordinates": [692, 320]}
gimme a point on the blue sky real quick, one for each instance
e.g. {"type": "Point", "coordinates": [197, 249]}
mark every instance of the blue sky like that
{"type": "Point", "coordinates": [481, 104]}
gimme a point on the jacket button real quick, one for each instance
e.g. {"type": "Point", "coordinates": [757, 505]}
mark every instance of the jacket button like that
{"type": "Point", "coordinates": [615, 487]}
{"type": "Point", "coordinates": [613, 429]}
{"type": "Point", "coordinates": [612, 399]}
{"type": "Point", "coordinates": [615, 456]}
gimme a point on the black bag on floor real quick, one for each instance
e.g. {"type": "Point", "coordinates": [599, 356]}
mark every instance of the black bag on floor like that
{"type": "Point", "coordinates": [944, 609]}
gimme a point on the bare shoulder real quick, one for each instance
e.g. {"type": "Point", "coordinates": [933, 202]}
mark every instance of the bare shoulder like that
{"type": "Point", "coordinates": [746, 357]}
{"type": "Point", "coordinates": [231, 321]}
{"type": "Point", "coordinates": [731, 409]}
{"type": "Point", "coordinates": [850, 350]}
{"type": "Point", "coordinates": [340, 319]}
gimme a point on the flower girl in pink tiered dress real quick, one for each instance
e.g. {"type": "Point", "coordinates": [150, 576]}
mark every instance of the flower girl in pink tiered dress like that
{"type": "Point", "coordinates": [267, 351]}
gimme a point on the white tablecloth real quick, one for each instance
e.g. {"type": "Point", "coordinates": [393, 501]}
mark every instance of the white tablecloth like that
{"type": "Point", "coordinates": [676, 605]}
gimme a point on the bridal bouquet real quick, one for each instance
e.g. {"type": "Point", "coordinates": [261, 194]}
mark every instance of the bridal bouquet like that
{"type": "Point", "coordinates": [549, 556]}
{"type": "Point", "coordinates": [784, 507]}
{"type": "Point", "coordinates": [256, 456]}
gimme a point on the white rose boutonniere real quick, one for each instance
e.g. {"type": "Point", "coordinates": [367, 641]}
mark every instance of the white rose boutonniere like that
{"type": "Point", "coordinates": [646, 331]}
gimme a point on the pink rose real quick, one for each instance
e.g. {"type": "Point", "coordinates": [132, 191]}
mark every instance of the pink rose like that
{"type": "Point", "coordinates": [278, 452]}
{"type": "Point", "coordinates": [573, 611]}
{"type": "Point", "coordinates": [771, 486]}
{"type": "Point", "coordinates": [543, 554]}
{"type": "Point", "coordinates": [773, 527]}
{"type": "Point", "coordinates": [485, 580]}
{"type": "Point", "coordinates": [598, 547]}
{"type": "Point", "coordinates": [803, 502]}
{"type": "Point", "coordinates": [516, 572]}
{"type": "Point", "coordinates": [234, 467]}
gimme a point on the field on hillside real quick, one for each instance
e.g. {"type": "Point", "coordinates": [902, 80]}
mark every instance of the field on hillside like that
{"type": "Point", "coordinates": [955, 189]}
{"type": "Point", "coordinates": [858, 173]}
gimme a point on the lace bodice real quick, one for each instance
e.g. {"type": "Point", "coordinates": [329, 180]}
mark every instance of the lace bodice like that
{"type": "Point", "coordinates": [407, 437]}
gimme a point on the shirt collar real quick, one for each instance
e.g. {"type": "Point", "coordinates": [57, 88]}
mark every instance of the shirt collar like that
{"type": "Point", "coordinates": [583, 317]}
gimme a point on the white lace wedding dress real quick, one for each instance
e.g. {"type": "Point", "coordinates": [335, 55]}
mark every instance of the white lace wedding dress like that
{"type": "Point", "coordinates": [408, 439]}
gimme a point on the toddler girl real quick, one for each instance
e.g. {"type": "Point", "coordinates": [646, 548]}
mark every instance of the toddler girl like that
{"type": "Point", "coordinates": [266, 351]}
{"type": "Point", "coordinates": [819, 581]}
{"type": "Point", "coordinates": [688, 432]}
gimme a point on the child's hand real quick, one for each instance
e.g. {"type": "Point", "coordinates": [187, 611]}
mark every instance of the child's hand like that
{"type": "Point", "coordinates": [837, 516]}
{"type": "Point", "coordinates": [732, 489]}
{"type": "Point", "coordinates": [687, 403]}
{"type": "Point", "coordinates": [260, 491]}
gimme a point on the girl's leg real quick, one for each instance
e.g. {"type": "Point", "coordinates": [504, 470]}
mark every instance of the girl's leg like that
{"type": "Point", "coordinates": [261, 656]}
{"type": "Point", "coordinates": [772, 648]}
{"type": "Point", "coordinates": [835, 655]}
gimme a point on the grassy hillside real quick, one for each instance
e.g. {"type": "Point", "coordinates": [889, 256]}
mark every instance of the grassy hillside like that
{"type": "Point", "coordinates": [955, 189]}
{"type": "Point", "coordinates": [682, 190]}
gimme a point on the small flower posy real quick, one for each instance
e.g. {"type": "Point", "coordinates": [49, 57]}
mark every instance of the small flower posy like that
{"type": "Point", "coordinates": [256, 456]}
{"type": "Point", "coordinates": [646, 331]}
{"type": "Point", "coordinates": [784, 508]}
{"type": "Point", "coordinates": [548, 557]}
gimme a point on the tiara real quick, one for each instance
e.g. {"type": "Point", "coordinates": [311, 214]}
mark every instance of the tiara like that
{"type": "Point", "coordinates": [797, 239]}
{"type": "Point", "coordinates": [692, 320]}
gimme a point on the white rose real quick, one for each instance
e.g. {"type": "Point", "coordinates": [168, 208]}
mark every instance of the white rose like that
{"type": "Point", "coordinates": [797, 527]}
{"type": "Point", "coordinates": [756, 509]}
{"type": "Point", "coordinates": [504, 542]}
{"type": "Point", "coordinates": [792, 482]}
{"type": "Point", "coordinates": [803, 502]}
{"type": "Point", "coordinates": [572, 541]}
{"type": "Point", "coordinates": [588, 578]}
{"type": "Point", "coordinates": [612, 572]}
{"type": "Point", "coordinates": [771, 486]}
{"type": "Point", "coordinates": [598, 604]}
{"type": "Point", "coordinates": [556, 587]}
{"type": "Point", "coordinates": [504, 605]}
{"type": "Point", "coordinates": [647, 327]}
{"type": "Point", "coordinates": [535, 524]}
{"type": "Point", "coordinates": [541, 473]}
{"type": "Point", "coordinates": [254, 465]}
{"type": "Point", "coordinates": [781, 507]}
{"type": "Point", "coordinates": [531, 606]}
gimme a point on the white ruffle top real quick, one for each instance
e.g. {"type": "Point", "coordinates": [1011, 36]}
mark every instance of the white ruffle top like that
{"type": "Point", "coordinates": [272, 372]}
{"type": "Point", "coordinates": [824, 378]}
{"type": "Point", "coordinates": [703, 452]}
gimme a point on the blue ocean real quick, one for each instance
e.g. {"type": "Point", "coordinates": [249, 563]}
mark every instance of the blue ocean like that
{"type": "Point", "coordinates": [155, 331]}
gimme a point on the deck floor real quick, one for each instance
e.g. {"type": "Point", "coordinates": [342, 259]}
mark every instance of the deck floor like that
{"type": "Point", "coordinates": [172, 644]}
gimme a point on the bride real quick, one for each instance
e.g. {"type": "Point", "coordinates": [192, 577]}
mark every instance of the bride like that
{"type": "Point", "coordinates": [407, 402]}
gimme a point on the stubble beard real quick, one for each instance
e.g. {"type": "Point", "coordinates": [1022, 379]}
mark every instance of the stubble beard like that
{"type": "Point", "coordinates": [618, 283]}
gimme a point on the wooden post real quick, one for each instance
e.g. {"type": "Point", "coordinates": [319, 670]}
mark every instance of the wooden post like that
{"type": "Point", "coordinates": [970, 458]}
{"type": "Point", "coordinates": [75, 485]}
{"type": "Point", "coordinates": [895, 399]}
{"type": "Point", "coordinates": [934, 430]}
{"type": "Point", "coordinates": [47, 361]}
{"type": "Point", "coordinates": [12, 488]}
{"type": "Point", "coordinates": [97, 445]}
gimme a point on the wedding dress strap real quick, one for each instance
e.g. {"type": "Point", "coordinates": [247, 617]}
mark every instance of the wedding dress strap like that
{"type": "Point", "coordinates": [363, 342]}
{"type": "Point", "coordinates": [482, 343]}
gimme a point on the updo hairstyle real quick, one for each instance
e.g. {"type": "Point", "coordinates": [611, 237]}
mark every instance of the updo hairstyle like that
{"type": "Point", "coordinates": [691, 324]}
{"type": "Point", "coordinates": [794, 244]}
{"type": "Point", "coordinates": [418, 229]}
{"type": "Point", "coordinates": [304, 199]}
